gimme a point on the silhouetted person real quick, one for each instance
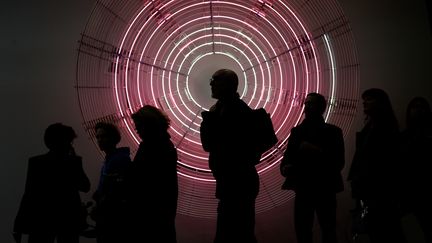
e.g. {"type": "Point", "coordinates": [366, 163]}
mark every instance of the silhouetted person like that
{"type": "Point", "coordinates": [375, 169]}
{"type": "Point", "coordinates": [312, 163]}
{"type": "Point", "coordinates": [51, 205]}
{"type": "Point", "coordinates": [110, 195]}
{"type": "Point", "coordinates": [416, 147]}
{"type": "Point", "coordinates": [153, 179]}
{"type": "Point", "coordinates": [226, 135]}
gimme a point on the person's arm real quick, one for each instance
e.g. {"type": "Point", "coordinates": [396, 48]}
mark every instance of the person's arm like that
{"type": "Point", "coordinates": [205, 131]}
{"type": "Point", "coordinates": [339, 150]}
{"type": "Point", "coordinates": [19, 226]}
{"type": "Point", "coordinates": [290, 154]}
{"type": "Point", "coordinates": [83, 181]}
{"type": "Point", "coordinates": [17, 236]}
{"type": "Point", "coordinates": [288, 167]}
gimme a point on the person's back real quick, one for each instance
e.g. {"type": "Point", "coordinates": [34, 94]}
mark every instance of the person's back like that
{"type": "Point", "coordinates": [156, 160]}
{"type": "Point", "coordinates": [152, 179]}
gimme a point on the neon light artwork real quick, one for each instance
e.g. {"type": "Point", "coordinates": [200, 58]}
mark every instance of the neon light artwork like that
{"type": "Point", "coordinates": [162, 53]}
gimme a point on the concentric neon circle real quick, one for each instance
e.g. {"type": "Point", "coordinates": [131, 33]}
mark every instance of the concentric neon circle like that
{"type": "Point", "coordinates": [164, 52]}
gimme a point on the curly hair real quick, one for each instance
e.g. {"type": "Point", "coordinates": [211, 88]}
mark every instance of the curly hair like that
{"type": "Point", "coordinates": [151, 117]}
{"type": "Point", "coordinates": [58, 135]}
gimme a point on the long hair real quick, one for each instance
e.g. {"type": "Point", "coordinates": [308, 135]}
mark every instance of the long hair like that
{"type": "Point", "coordinates": [383, 115]}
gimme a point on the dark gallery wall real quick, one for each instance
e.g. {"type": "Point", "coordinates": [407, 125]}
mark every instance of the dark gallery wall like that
{"type": "Point", "coordinates": [39, 41]}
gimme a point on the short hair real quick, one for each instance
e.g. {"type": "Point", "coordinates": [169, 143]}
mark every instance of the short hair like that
{"type": "Point", "coordinates": [152, 117]}
{"type": "Point", "coordinates": [111, 130]}
{"type": "Point", "coordinates": [229, 76]}
{"type": "Point", "coordinates": [57, 135]}
{"type": "Point", "coordinates": [322, 102]}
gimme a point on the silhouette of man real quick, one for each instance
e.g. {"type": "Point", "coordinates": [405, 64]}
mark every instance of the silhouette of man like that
{"type": "Point", "coordinates": [51, 205]}
{"type": "Point", "coordinates": [110, 193]}
{"type": "Point", "coordinates": [227, 136]}
{"type": "Point", "coordinates": [312, 163]}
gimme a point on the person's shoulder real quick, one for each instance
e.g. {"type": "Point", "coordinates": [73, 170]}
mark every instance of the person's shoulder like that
{"type": "Point", "coordinates": [39, 161]}
{"type": "Point", "coordinates": [332, 127]}
{"type": "Point", "coordinates": [243, 105]}
{"type": "Point", "coordinates": [213, 108]}
{"type": "Point", "coordinates": [76, 157]}
{"type": "Point", "coordinates": [123, 152]}
{"type": "Point", "coordinates": [39, 157]}
{"type": "Point", "coordinates": [297, 129]}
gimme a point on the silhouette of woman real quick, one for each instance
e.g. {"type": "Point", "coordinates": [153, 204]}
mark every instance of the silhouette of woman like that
{"type": "Point", "coordinates": [152, 181]}
{"type": "Point", "coordinates": [417, 157]}
{"type": "Point", "coordinates": [51, 205]}
{"type": "Point", "coordinates": [375, 169]}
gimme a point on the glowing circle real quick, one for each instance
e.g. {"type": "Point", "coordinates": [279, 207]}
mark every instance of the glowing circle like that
{"type": "Point", "coordinates": [163, 53]}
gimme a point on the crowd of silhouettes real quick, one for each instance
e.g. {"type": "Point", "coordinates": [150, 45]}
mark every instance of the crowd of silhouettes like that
{"type": "Point", "coordinates": [388, 174]}
{"type": "Point", "coordinates": [137, 198]}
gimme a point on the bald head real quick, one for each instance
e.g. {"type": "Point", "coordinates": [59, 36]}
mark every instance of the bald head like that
{"type": "Point", "coordinates": [224, 83]}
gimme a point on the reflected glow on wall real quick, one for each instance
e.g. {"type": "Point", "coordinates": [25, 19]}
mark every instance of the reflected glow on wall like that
{"type": "Point", "coordinates": [164, 52]}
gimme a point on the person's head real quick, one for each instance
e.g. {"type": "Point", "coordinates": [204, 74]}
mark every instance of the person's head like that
{"type": "Point", "coordinates": [314, 105]}
{"type": "Point", "coordinates": [150, 122]}
{"type": "Point", "coordinates": [107, 136]}
{"type": "Point", "coordinates": [377, 107]}
{"type": "Point", "coordinates": [59, 137]}
{"type": "Point", "coordinates": [376, 101]}
{"type": "Point", "coordinates": [224, 83]}
{"type": "Point", "coordinates": [418, 113]}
